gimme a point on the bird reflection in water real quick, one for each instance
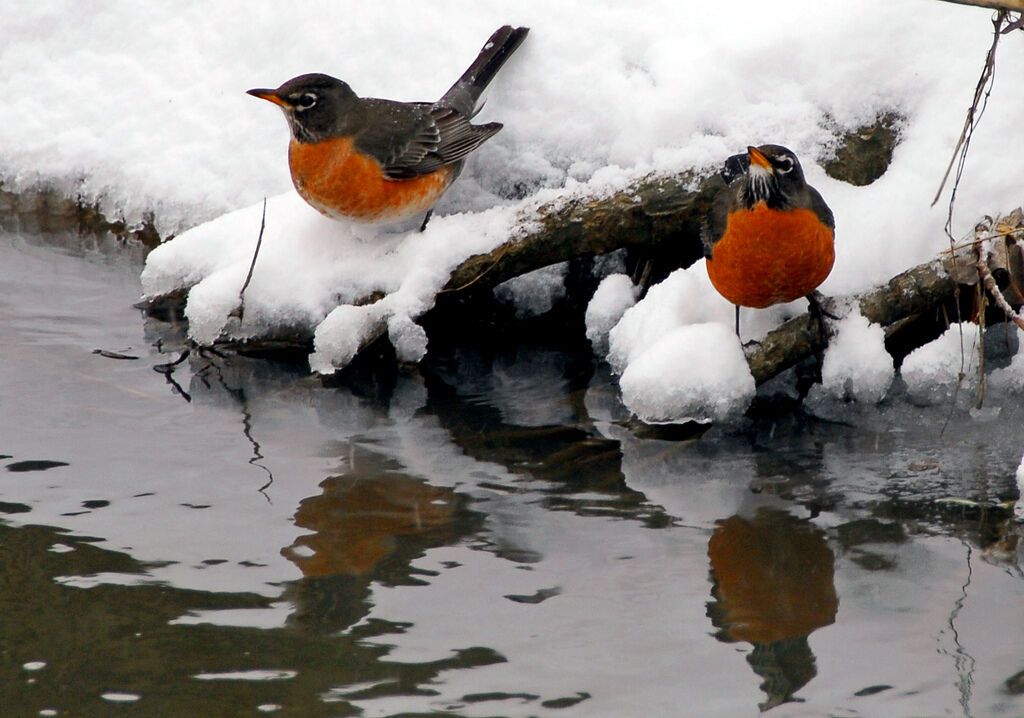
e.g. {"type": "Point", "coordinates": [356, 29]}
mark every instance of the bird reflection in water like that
{"type": "Point", "coordinates": [362, 519]}
{"type": "Point", "coordinates": [772, 586]}
{"type": "Point", "coordinates": [367, 525]}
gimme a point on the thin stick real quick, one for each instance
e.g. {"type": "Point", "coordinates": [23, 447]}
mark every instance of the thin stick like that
{"type": "Point", "coordinates": [982, 301]}
{"type": "Point", "coordinates": [252, 265]}
{"type": "Point", "coordinates": [973, 117]}
{"type": "Point", "coordinates": [978, 240]}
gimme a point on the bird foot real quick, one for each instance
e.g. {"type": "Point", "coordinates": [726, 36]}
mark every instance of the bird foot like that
{"type": "Point", "coordinates": [815, 307]}
{"type": "Point", "coordinates": [820, 306]}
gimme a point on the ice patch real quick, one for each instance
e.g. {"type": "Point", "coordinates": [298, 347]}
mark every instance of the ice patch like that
{"type": "Point", "coordinates": [695, 372]}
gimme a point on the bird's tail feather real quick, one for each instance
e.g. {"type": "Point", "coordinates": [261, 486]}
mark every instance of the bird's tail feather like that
{"type": "Point", "coordinates": [465, 93]}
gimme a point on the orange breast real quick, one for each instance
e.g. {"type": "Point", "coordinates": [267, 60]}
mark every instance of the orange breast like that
{"type": "Point", "coordinates": [343, 183]}
{"type": "Point", "coordinates": [770, 256]}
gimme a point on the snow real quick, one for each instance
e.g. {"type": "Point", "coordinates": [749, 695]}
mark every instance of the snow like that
{"type": "Point", "coordinates": [142, 109]}
{"type": "Point", "coordinates": [856, 366]}
{"type": "Point", "coordinates": [685, 297]}
{"type": "Point", "coordinates": [614, 295]}
{"type": "Point", "coordinates": [932, 372]}
{"type": "Point", "coordinates": [1018, 509]}
{"type": "Point", "coordinates": [696, 372]}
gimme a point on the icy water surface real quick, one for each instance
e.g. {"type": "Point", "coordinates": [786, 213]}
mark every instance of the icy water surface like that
{"type": "Point", "coordinates": [486, 538]}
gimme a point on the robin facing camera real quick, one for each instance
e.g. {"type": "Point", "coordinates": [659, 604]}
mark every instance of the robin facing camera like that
{"type": "Point", "coordinates": [770, 235]}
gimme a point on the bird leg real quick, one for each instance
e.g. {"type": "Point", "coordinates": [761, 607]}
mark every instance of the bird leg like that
{"type": "Point", "coordinates": [816, 308]}
{"type": "Point", "coordinates": [426, 218]}
{"type": "Point", "coordinates": [748, 345]}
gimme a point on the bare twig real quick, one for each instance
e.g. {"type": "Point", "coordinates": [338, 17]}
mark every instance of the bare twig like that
{"type": "Point", "coordinates": [981, 335]}
{"type": "Point", "coordinates": [1007, 232]}
{"type": "Point", "coordinates": [168, 367]}
{"type": "Point", "coordinates": [982, 91]}
{"type": "Point", "coordinates": [974, 114]}
{"type": "Point", "coordinates": [240, 310]}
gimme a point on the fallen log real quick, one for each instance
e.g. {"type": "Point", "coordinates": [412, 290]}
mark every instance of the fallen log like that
{"type": "Point", "coordinates": [911, 293]}
{"type": "Point", "coordinates": [662, 214]}
{"type": "Point", "coordinates": [656, 213]}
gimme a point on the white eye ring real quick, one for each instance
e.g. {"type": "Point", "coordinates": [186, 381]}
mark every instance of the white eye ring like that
{"type": "Point", "coordinates": [306, 101]}
{"type": "Point", "coordinates": [784, 164]}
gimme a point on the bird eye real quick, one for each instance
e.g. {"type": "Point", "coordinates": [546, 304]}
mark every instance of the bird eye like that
{"type": "Point", "coordinates": [306, 101]}
{"type": "Point", "coordinates": [783, 164]}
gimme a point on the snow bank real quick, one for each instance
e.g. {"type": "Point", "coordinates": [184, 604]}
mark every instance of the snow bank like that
{"type": "Point", "coordinates": [143, 106]}
{"type": "Point", "coordinates": [142, 109]}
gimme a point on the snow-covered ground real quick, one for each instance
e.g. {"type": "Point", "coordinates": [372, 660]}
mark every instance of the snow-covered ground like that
{"type": "Point", "coordinates": [143, 109]}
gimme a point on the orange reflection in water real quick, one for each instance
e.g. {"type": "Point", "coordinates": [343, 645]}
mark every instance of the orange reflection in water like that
{"type": "Point", "coordinates": [772, 585]}
{"type": "Point", "coordinates": [357, 522]}
{"type": "Point", "coordinates": [774, 577]}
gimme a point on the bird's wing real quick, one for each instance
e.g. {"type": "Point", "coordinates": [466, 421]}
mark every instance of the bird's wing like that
{"type": "Point", "coordinates": [821, 209]}
{"type": "Point", "coordinates": [412, 139]}
{"type": "Point", "coordinates": [715, 221]}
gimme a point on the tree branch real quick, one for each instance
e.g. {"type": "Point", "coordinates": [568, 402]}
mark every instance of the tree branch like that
{"type": "Point", "coordinates": [1012, 5]}
{"type": "Point", "coordinates": [655, 212]}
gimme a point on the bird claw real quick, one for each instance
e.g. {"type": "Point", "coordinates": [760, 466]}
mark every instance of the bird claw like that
{"type": "Point", "coordinates": [820, 306]}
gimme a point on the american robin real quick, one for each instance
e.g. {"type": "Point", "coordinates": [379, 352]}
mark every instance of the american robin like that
{"type": "Point", "coordinates": [770, 236]}
{"type": "Point", "coordinates": [378, 160]}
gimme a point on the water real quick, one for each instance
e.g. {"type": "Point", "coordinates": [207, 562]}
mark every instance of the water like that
{"type": "Point", "coordinates": [486, 537]}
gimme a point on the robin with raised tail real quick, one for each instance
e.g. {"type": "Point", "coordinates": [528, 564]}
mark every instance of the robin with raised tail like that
{"type": "Point", "coordinates": [375, 160]}
{"type": "Point", "coordinates": [770, 237]}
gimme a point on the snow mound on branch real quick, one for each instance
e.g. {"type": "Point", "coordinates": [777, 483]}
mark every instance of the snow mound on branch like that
{"type": "Point", "coordinates": [310, 270]}
{"type": "Point", "coordinates": [695, 372]}
{"type": "Point", "coordinates": [856, 366]}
